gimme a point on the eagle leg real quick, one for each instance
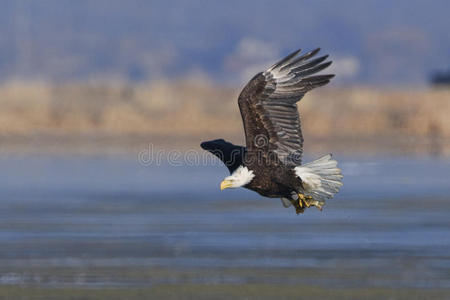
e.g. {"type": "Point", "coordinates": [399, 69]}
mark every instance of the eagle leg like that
{"type": "Point", "coordinates": [304, 200]}
{"type": "Point", "coordinates": [296, 202]}
{"type": "Point", "coordinates": [308, 201]}
{"type": "Point", "coordinates": [318, 204]}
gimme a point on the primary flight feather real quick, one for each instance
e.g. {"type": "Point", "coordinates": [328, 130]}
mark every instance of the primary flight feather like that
{"type": "Point", "coordinates": [270, 163]}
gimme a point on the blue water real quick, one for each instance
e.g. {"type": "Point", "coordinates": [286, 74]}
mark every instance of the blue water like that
{"type": "Point", "coordinates": [392, 215]}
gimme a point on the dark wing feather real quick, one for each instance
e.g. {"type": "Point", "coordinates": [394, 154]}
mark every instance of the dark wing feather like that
{"type": "Point", "coordinates": [231, 155]}
{"type": "Point", "coordinates": [268, 105]}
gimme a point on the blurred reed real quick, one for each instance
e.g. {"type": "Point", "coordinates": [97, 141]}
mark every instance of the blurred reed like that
{"type": "Point", "coordinates": [181, 113]}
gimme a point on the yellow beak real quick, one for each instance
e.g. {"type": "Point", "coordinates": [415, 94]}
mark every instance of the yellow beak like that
{"type": "Point", "coordinates": [225, 184]}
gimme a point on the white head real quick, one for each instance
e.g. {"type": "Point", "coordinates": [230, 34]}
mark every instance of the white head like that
{"type": "Point", "coordinates": [240, 177]}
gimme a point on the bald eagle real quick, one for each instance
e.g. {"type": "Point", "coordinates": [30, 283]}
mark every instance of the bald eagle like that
{"type": "Point", "coordinates": [270, 163]}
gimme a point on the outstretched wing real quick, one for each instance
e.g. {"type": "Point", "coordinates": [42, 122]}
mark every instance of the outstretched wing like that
{"type": "Point", "coordinates": [231, 155]}
{"type": "Point", "coordinates": [268, 105]}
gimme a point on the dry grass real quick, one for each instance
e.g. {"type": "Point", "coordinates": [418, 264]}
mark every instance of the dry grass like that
{"type": "Point", "coordinates": [184, 112]}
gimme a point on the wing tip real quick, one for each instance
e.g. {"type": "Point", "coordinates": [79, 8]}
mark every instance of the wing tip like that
{"type": "Point", "coordinates": [327, 64]}
{"type": "Point", "coordinates": [285, 60]}
{"type": "Point", "coordinates": [312, 53]}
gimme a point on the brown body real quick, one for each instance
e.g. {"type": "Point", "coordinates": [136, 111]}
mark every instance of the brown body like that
{"type": "Point", "coordinates": [274, 182]}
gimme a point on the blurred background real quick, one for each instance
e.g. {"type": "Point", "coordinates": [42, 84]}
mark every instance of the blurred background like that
{"type": "Point", "coordinates": [105, 193]}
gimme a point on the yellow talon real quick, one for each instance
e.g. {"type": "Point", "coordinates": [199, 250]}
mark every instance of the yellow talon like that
{"type": "Point", "coordinates": [308, 201]}
{"type": "Point", "coordinates": [318, 204]}
{"type": "Point", "coordinates": [305, 201]}
{"type": "Point", "coordinates": [301, 199]}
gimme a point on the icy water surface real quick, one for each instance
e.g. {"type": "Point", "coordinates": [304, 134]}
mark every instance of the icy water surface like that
{"type": "Point", "coordinates": [112, 222]}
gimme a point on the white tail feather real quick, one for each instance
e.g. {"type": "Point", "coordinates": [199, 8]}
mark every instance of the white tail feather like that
{"type": "Point", "coordinates": [321, 178]}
